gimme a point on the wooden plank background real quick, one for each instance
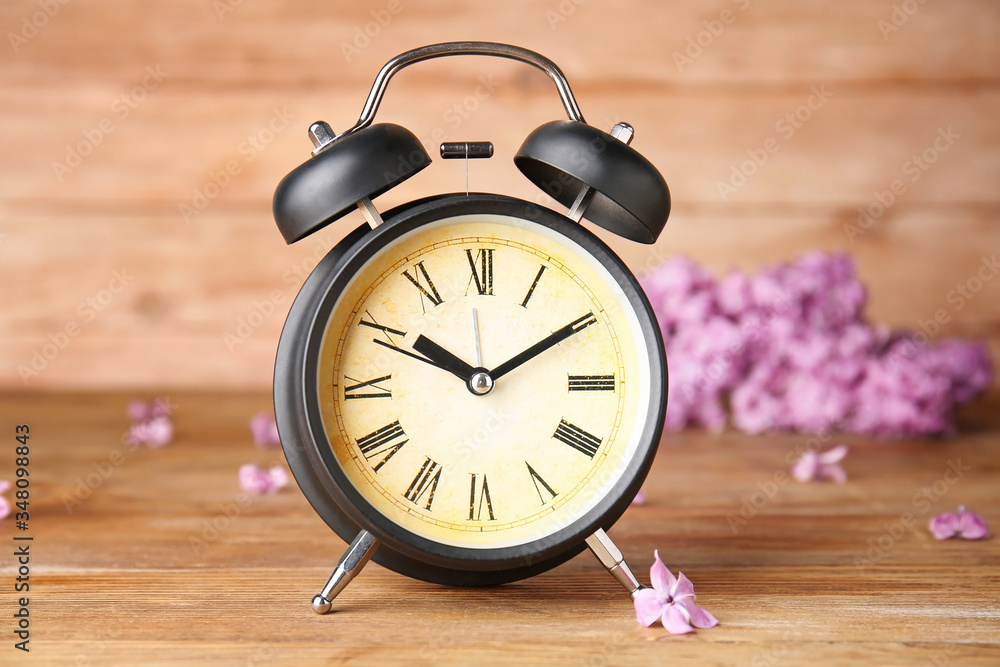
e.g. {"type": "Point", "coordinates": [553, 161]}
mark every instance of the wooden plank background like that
{"type": "Point", "coordinates": [226, 69]}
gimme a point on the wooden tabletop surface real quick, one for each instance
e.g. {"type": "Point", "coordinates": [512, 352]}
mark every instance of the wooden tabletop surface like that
{"type": "Point", "coordinates": [146, 556]}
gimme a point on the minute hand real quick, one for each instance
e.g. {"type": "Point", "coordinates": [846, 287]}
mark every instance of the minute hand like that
{"type": "Point", "coordinates": [555, 338]}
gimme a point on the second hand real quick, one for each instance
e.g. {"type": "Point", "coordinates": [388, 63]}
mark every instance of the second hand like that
{"type": "Point", "coordinates": [475, 331]}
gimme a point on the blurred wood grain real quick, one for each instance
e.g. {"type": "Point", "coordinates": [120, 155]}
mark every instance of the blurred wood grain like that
{"type": "Point", "coordinates": [162, 97]}
{"type": "Point", "coordinates": [153, 556]}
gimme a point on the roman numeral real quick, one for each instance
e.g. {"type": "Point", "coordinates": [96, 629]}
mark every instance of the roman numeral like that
{"type": "Point", "coordinates": [577, 438]}
{"type": "Point", "coordinates": [430, 292]}
{"type": "Point", "coordinates": [536, 480]}
{"type": "Point", "coordinates": [388, 332]}
{"type": "Point", "coordinates": [482, 274]}
{"type": "Point", "coordinates": [534, 284]}
{"type": "Point", "coordinates": [375, 392]}
{"type": "Point", "coordinates": [583, 322]}
{"type": "Point", "coordinates": [425, 483]}
{"type": "Point", "coordinates": [384, 443]}
{"type": "Point", "coordinates": [591, 382]}
{"type": "Point", "coordinates": [477, 494]}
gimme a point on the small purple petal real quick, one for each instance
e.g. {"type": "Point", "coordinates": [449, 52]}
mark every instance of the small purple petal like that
{"type": "Point", "coordinates": [4, 508]}
{"type": "Point", "coordinates": [649, 606]}
{"type": "Point", "coordinates": [137, 411]}
{"type": "Point", "coordinates": [834, 472]}
{"type": "Point", "coordinates": [675, 620]}
{"type": "Point", "coordinates": [4, 486]}
{"type": "Point", "coordinates": [683, 588]}
{"type": "Point", "coordinates": [812, 466]}
{"type": "Point", "coordinates": [700, 618]}
{"type": "Point", "coordinates": [661, 578]}
{"type": "Point", "coordinates": [279, 477]}
{"type": "Point", "coordinates": [944, 525]}
{"type": "Point", "coordinates": [972, 526]}
{"type": "Point", "coordinates": [257, 481]}
{"type": "Point", "coordinates": [253, 480]}
{"type": "Point", "coordinates": [160, 407]}
{"type": "Point", "coordinates": [158, 431]}
{"type": "Point", "coordinates": [806, 468]}
{"type": "Point", "coordinates": [834, 455]}
{"type": "Point", "coordinates": [640, 498]}
{"type": "Point", "coordinates": [265, 430]}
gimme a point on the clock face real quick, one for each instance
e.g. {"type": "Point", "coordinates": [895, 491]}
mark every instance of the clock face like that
{"type": "Point", "coordinates": [484, 382]}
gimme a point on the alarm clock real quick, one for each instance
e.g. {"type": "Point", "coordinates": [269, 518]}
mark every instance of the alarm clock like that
{"type": "Point", "coordinates": [470, 388]}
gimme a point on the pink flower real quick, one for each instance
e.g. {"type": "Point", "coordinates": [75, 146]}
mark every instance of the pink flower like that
{"type": "Point", "coordinates": [257, 481]}
{"type": "Point", "coordinates": [151, 422]}
{"type": "Point", "coordinates": [640, 498]}
{"type": "Point", "coordinates": [141, 411]}
{"type": "Point", "coordinates": [4, 503]}
{"type": "Point", "coordinates": [790, 349]}
{"type": "Point", "coordinates": [265, 431]}
{"type": "Point", "coordinates": [813, 466]}
{"type": "Point", "coordinates": [137, 410]}
{"type": "Point", "coordinates": [967, 525]}
{"type": "Point", "coordinates": [155, 432]}
{"type": "Point", "coordinates": [672, 601]}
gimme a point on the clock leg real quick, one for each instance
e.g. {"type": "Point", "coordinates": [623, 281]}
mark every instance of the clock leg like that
{"type": "Point", "coordinates": [613, 560]}
{"type": "Point", "coordinates": [355, 558]}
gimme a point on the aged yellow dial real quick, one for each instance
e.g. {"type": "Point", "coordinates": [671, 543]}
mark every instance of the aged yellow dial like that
{"type": "Point", "coordinates": [483, 381]}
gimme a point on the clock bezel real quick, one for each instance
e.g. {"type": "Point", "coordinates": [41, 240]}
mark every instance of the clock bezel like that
{"type": "Point", "coordinates": [310, 455]}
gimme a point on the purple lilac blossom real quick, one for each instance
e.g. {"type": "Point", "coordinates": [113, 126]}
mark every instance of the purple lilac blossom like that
{"type": "Point", "coordinates": [790, 349]}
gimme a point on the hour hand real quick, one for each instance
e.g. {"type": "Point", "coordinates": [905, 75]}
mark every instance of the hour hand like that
{"type": "Point", "coordinates": [442, 358]}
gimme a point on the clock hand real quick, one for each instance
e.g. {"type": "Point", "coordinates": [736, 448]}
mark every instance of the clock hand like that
{"type": "Point", "coordinates": [406, 352]}
{"type": "Point", "coordinates": [442, 358]}
{"type": "Point", "coordinates": [555, 338]}
{"type": "Point", "coordinates": [475, 331]}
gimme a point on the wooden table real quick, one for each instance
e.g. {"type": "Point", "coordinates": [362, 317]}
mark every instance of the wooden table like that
{"type": "Point", "coordinates": [145, 556]}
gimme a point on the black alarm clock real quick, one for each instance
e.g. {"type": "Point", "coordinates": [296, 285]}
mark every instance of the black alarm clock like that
{"type": "Point", "coordinates": [470, 389]}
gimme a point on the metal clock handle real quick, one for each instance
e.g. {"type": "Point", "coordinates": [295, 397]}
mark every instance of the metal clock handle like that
{"type": "Point", "coordinates": [466, 49]}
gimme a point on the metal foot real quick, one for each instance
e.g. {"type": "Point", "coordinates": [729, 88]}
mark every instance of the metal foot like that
{"type": "Point", "coordinates": [355, 558]}
{"type": "Point", "coordinates": [612, 559]}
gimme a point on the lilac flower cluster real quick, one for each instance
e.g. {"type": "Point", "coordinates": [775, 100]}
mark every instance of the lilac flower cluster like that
{"type": "Point", "coordinates": [790, 349]}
